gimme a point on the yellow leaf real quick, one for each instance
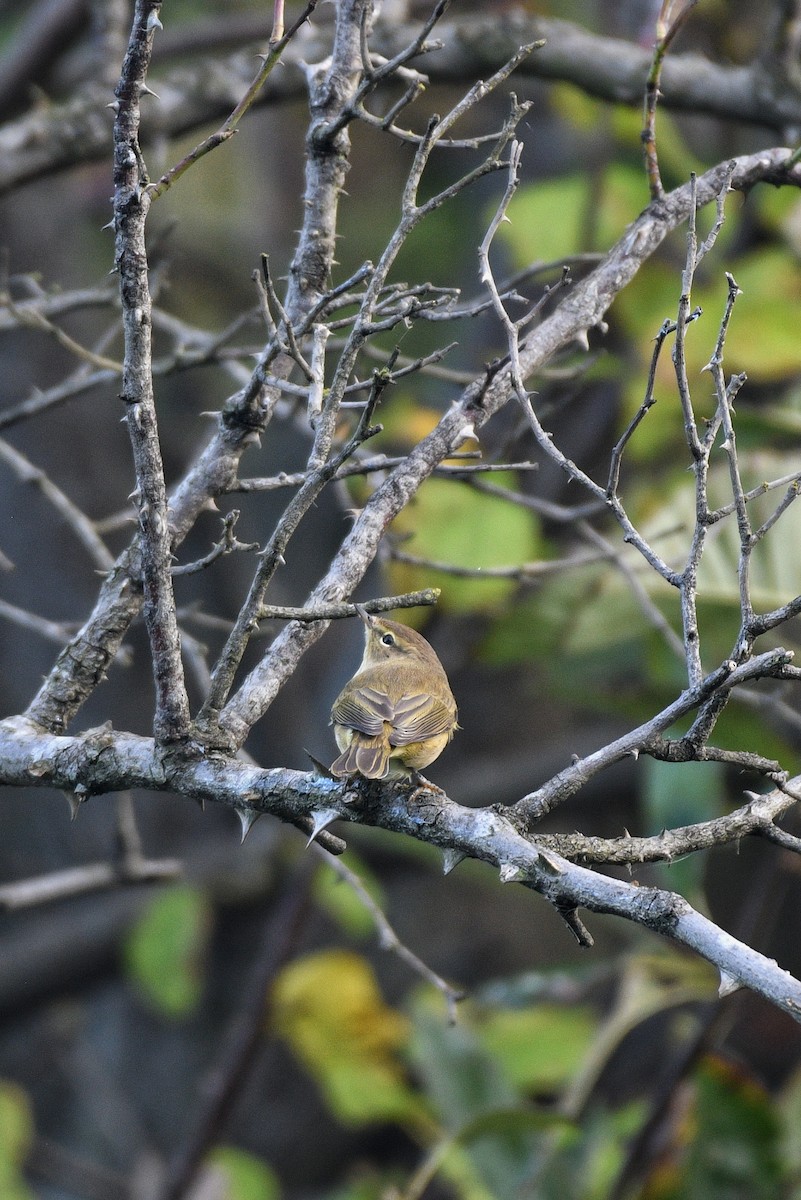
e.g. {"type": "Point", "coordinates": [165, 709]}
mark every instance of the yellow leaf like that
{"type": "Point", "coordinates": [329, 1008]}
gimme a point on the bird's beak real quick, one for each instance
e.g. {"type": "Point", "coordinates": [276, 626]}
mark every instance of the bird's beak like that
{"type": "Point", "coordinates": [364, 614]}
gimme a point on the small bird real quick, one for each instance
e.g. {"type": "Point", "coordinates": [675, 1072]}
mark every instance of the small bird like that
{"type": "Point", "coordinates": [398, 713]}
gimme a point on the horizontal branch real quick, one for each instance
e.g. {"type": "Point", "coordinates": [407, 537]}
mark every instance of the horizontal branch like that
{"type": "Point", "coordinates": [336, 612]}
{"type": "Point", "coordinates": [60, 136]}
{"type": "Point", "coordinates": [754, 819]}
{"type": "Point", "coordinates": [79, 881]}
{"type": "Point", "coordinates": [102, 760]}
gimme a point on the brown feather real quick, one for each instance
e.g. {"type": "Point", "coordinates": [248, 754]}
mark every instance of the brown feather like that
{"type": "Point", "coordinates": [398, 712]}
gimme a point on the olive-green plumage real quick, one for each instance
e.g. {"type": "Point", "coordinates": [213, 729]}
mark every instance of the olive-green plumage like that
{"type": "Point", "coordinates": [398, 713]}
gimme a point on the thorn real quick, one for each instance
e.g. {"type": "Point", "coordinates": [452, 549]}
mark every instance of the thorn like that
{"type": "Point", "coordinates": [74, 802]}
{"type": "Point", "coordinates": [450, 859]}
{"type": "Point", "coordinates": [108, 225]}
{"type": "Point", "coordinates": [148, 91]}
{"type": "Point", "coordinates": [509, 873]}
{"type": "Point", "coordinates": [550, 862]}
{"type": "Point", "coordinates": [321, 768]}
{"type": "Point", "coordinates": [728, 984]}
{"type": "Point", "coordinates": [247, 819]}
{"type": "Point", "coordinates": [466, 434]}
{"type": "Point", "coordinates": [320, 821]}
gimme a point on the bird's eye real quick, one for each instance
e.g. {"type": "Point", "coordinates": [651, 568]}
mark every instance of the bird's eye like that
{"type": "Point", "coordinates": [388, 639]}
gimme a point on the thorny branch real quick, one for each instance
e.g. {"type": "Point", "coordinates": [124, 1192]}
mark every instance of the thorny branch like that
{"type": "Point", "coordinates": [43, 141]}
{"type": "Point", "coordinates": [171, 719]}
{"type": "Point", "coordinates": [298, 361]}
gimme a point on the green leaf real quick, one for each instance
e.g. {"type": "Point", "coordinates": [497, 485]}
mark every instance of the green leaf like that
{"type": "Point", "coordinates": [368, 1186]}
{"type": "Point", "coordinates": [789, 1112]}
{"type": "Point", "coordinates": [245, 1176]}
{"type": "Point", "coordinates": [165, 950]}
{"type": "Point", "coordinates": [16, 1135]}
{"type": "Point", "coordinates": [763, 337]}
{"type": "Point", "coordinates": [441, 524]}
{"type": "Point", "coordinates": [733, 1150]}
{"type": "Point", "coordinates": [328, 1006]}
{"type": "Point", "coordinates": [586, 1165]}
{"type": "Point", "coordinates": [540, 1047]}
{"type": "Point", "coordinates": [460, 1075]}
{"type": "Point", "coordinates": [495, 1134]}
{"type": "Point", "coordinates": [533, 235]}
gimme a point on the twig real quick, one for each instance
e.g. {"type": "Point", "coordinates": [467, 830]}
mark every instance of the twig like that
{"type": "Point", "coordinates": [755, 819]}
{"type": "Point", "coordinates": [78, 522]}
{"type": "Point", "coordinates": [228, 544]}
{"type": "Point", "coordinates": [378, 462]}
{"type": "Point", "coordinates": [80, 881]}
{"type": "Point", "coordinates": [34, 318]}
{"type": "Point", "coordinates": [720, 682]}
{"type": "Point", "coordinates": [54, 631]}
{"type": "Point", "coordinates": [388, 938]}
{"type": "Point", "coordinates": [322, 469]}
{"type": "Point", "coordinates": [336, 612]}
{"type": "Point", "coordinates": [667, 27]}
{"type": "Point", "coordinates": [229, 126]}
{"type": "Point", "coordinates": [522, 572]}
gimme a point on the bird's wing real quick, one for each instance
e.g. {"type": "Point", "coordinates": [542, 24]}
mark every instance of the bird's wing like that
{"type": "Point", "coordinates": [364, 709]}
{"type": "Point", "coordinates": [417, 717]}
{"type": "Point", "coordinates": [412, 718]}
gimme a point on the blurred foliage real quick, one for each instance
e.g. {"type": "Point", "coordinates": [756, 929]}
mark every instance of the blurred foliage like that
{"type": "Point", "coordinates": [725, 1142]}
{"type": "Point", "coordinates": [165, 949]}
{"type": "Point", "coordinates": [328, 1006]}
{"type": "Point", "coordinates": [16, 1135]}
{"type": "Point", "coordinates": [241, 1176]}
{"type": "Point", "coordinates": [511, 1101]}
{"type": "Point", "coordinates": [441, 524]}
{"type": "Point", "coordinates": [533, 1093]}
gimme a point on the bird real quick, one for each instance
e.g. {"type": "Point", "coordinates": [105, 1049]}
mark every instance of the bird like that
{"type": "Point", "coordinates": [397, 714]}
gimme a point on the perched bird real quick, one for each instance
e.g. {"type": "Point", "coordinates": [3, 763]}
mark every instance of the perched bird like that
{"type": "Point", "coordinates": [398, 713]}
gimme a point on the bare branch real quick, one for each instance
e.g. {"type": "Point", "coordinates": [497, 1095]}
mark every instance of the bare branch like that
{"type": "Point", "coordinates": [84, 529]}
{"type": "Point", "coordinates": [171, 720]}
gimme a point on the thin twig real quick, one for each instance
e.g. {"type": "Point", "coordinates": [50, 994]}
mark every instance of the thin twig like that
{"type": "Point", "coordinates": [229, 126]}
{"type": "Point", "coordinates": [388, 938]}
{"type": "Point", "coordinates": [337, 612]}
{"type": "Point", "coordinates": [83, 528]}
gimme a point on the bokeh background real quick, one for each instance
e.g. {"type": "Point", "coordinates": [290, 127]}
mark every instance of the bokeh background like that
{"type": "Point", "coordinates": [585, 1074]}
